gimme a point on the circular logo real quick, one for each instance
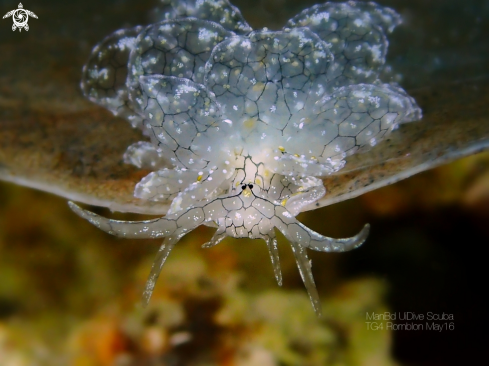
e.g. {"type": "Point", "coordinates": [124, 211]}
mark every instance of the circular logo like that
{"type": "Point", "coordinates": [20, 18]}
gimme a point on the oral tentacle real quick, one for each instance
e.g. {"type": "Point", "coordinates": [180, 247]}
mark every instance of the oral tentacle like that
{"type": "Point", "coordinates": [271, 241]}
{"type": "Point", "coordinates": [304, 266]}
{"type": "Point", "coordinates": [148, 229]}
{"type": "Point", "coordinates": [297, 232]}
{"type": "Point", "coordinates": [158, 263]}
{"type": "Point", "coordinates": [322, 243]}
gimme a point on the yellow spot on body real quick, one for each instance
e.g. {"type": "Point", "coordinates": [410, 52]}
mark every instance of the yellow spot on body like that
{"type": "Point", "coordinates": [249, 123]}
{"type": "Point", "coordinates": [258, 87]}
{"type": "Point", "coordinates": [199, 178]}
{"type": "Point", "coordinates": [247, 192]}
{"type": "Point", "coordinates": [284, 201]}
{"type": "Point", "coordinates": [296, 155]}
{"type": "Point", "coordinates": [258, 181]}
{"type": "Point", "coordinates": [281, 148]}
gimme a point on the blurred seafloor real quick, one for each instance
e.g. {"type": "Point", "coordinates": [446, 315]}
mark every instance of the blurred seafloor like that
{"type": "Point", "coordinates": [69, 293]}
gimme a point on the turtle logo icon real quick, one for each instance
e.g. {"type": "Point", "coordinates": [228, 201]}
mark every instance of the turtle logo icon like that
{"type": "Point", "coordinates": [20, 17]}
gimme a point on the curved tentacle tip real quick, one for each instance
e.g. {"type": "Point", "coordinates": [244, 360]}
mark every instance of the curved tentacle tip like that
{"type": "Point", "coordinates": [100, 222]}
{"type": "Point", "coordinates": [360, 238]}
{"type": "Point", "coordinates": [85, 214]}
{"type": "Point", "coordinates": [347, 244]}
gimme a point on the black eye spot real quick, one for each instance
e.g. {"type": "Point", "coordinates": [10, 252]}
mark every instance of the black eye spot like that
{"type": "Point", "coordinates": [243, 187]}
{"type": "Point", "coordinates": [250, 185]}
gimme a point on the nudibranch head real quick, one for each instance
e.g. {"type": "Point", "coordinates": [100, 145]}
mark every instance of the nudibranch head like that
{"type": "Point", "coordinates": [250, 120]}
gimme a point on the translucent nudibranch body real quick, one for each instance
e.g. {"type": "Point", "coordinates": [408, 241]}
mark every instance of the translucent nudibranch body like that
{"type": "Point", "coordinates": [250, 119]}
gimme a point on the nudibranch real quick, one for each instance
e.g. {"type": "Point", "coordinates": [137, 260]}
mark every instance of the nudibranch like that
{"type": "Point", "coordinates": [250, 119]}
